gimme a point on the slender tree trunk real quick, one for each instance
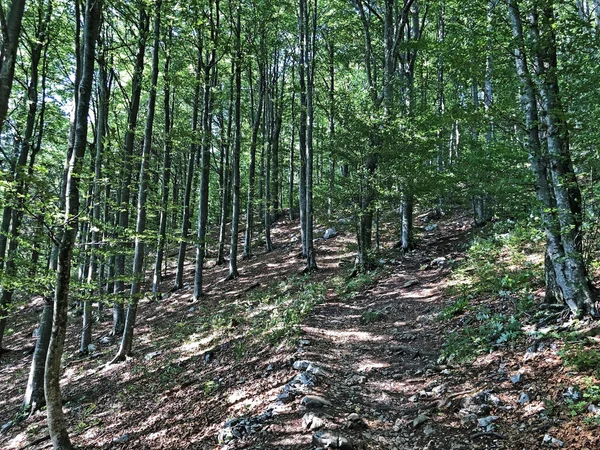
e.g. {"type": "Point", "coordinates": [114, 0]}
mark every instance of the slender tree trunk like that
{"type": "Point", "coordinates": [166, 170]}
{"type": "Point", "coordinates": [311, 24]}
{"type": "Point", "coordinates": [187, 196]}
{"type": "Point", "coordinates": [252, 169]}
{"type": "Point", "coordinates": [11, 30]}
{"type": "Point", "coordinates": [56, 421]}
{"type": "Point", "coordinates": [235, 215]}
{"type": "Point", "coordinates": [210, 75]}
{"type": "Point", "coordinates": [124, 200]}
{"type": "Point", "coordinates": [225, 200]}
{"type": "Point", "coordinates": [101, 130]}
{"type": "Point", "coordinates": [140, 228]}
{"type": "Point", "coordinates": [302, 125]}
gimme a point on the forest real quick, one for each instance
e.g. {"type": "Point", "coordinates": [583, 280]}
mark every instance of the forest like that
{"type": "Point", "coordinates": [354, 224]}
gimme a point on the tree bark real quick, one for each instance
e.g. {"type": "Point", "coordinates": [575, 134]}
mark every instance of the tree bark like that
{"type": "Point", "coordinates": [140, 228]}
{"type": "Point", "coordinates": [166, 170]}
{"type": "Point", "coordinates": [56, 421]}
{"type": "Point", "coordinates": [11, 30]}
{"type": "Point", "coordinates": [125, 191]}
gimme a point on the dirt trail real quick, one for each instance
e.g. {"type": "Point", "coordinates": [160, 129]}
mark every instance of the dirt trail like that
{"type": "Point", "coordinates": [365, 372]}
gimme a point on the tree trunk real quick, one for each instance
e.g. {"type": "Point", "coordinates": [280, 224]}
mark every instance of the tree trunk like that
{"type": "Point", "coordinates": [8, 52]}
{"type": "Point", "coordinates": [252, 168]}
{"type": "Point", "coordinates": [235, 215]}
{"type": "Point", "coordinates": [552, 170]}
{"type": "Point", "coordinates": [140, 228]}
{"type": "Point", "coordinates": [56, 421]}
{"type": "Point", "coordinates": [166, 171]}
{"type": "Point", "coordinates": [125, 194]}
{"type": "Point", "coordinates": [210, 75]}
{"type": "Point", "coordinates": [187, 196]}
{"type": "Point", "coordinates": [34, 394]}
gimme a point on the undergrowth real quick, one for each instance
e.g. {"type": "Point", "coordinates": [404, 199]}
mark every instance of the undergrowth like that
{"type": "Point", "coordinates": [493, 290]}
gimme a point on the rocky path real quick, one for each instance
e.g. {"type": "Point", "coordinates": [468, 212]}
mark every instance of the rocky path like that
{"type": "Point", "coordinates": [366, 373]}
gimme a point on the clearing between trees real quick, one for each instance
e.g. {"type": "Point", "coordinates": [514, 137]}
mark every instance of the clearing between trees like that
{"type": "Point", "coordinates": [397, 358]}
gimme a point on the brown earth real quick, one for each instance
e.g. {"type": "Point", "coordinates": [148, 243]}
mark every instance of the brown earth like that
{"type": "Point", "coordinates": [198, 365]}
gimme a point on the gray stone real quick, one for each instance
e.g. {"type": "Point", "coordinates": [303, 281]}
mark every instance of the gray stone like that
{"type": "Point", "coordinates": [355, 422]}
{"type": "Point", "coordinates": [152, 355]}
{"type": "Point", "coordinates": [572, 394]}
{"type": "Point", "coordinates": [516, 378]}
{"type": "Point", "coordinates": [431, 227]}
{"type": "Point", "coordinates": [594, 410]}
{"type": "Point", "coordinates": [301, 364]}
{"type": "Point", "coordinates": [552, 441]}
{"type": "Point", "coordinates": [306, 379]}
{"type": "Point", "coordinates": [420, 419]}
{"type": "Point", "coordinates": [314, 401]}
{"type": "Point", "coordinates": [485, 422]}
{"type": "Point", "coordinates": [523, 398]}
{"type": "Point", "coordinates": [317, 370]}
{"type": "Point", "coordinates": [329, 233]}
{"type": "Point", "coordinates": [428, 430]}
{"type": "Point", "coordinates": [126, 437]}
{"type": "Point", "coordinates": [328, 439]}
{"type": "Point", "coordinates": [105, 340]}
{"type": "Point", "coordinates": [312, 421]}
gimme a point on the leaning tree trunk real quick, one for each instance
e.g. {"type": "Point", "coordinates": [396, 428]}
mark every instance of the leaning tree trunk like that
{"type": "Point", "coordinates": [56, 420]}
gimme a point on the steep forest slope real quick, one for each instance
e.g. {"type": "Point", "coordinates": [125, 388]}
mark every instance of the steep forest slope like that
{"type": "Point", "coordinates": [277, 359]}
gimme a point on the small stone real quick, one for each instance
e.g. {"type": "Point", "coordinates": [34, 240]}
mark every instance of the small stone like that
{"type": "Point", "coordinates": [301, 364]}
{"type": "Point", "coordinates": [126, 437]}
{"type": "Point", "coordinates": [270, 368]}
{"type": "Point", "coordinates": [428, 430]}
{"type": "Point", "coordinates": [420, 419]}
{"type": "Point", "coordinates": [572, 393]}
{"type": "Point", "coordinates": [594, 409]}
{"type": "Point", "coordinates": [317, 370]}
{"type": "Point", "coordinates": [304, 342]}
{"type": "Point", "coordinates": [552, 441]}
{"type": "Point", "coordinates": [312, 422]}
{"type": "Point", "coordinates": [306, 379]}
{"type": "Point", "coordinates": [314, 401]}
{"type": "Point", "coordinates": [207, 357]}
{"type": "Point", "coordinates": [485, 422]}
{"type": "Point", "coordinates": [516, 378]}
{"type": "Point", "coordinates": [105, 340]}
{"type": "Point", "coordinates": [355, 422]}
{"type": "Point", "coordinates": [328, 439]}
{"type": "Point", "coordinates": [410, 283]}
{"type": "Point", "coordinates": [431, 227]}
{"type": "Point", "coordinates": [91, 348]}
{"type": "Point", "coordinates": [329, 233]}
{"type": "Point", "coordinates": [523, 398]}
{"type": "Point", "coordinates": [151, 355]}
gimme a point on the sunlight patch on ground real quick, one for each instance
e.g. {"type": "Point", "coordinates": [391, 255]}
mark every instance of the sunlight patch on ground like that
{"type": "Point", "coordinates": [367, 365]}
{"type": "Point", "coordinates": [18, 441]}
{"type": "Point", "coordinates": [348, 336]}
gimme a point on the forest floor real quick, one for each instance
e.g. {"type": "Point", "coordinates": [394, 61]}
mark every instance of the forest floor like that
{"type": "Point", "coordinates": [266, 360]}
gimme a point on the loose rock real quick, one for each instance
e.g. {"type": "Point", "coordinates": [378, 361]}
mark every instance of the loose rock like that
{"type": "Point", "coordinates": [314, 401]}
{"type": "Point", "coordinates": [328, 439]}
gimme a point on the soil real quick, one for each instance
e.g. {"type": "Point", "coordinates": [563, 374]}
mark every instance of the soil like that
{"type": "Point", "coordinates": [378, 352]}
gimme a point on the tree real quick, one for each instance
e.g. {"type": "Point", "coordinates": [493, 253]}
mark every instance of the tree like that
{"type": "Point", "coordinates": [56, 422]}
